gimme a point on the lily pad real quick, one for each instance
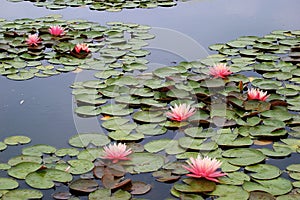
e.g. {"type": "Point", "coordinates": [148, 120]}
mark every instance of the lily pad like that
{"type": "Point", "coordinates": [278, 186]}
{"type": "Point", "coordinates": [84, 185]}
{"type": "Point", "coordinates": [84, 139]}
{"type": "Point", "coordinates": [22, 194]}
{"type": "Point", "coordinates": [43, 179]}
{"type": "Point", "coordinates": [228, 192]}
{"type": "Point", "coordinates": [22, 169]}
{"type": "Point", "coordinates": [243, 157]}
{"type": "Point", "coordinates": [264, 171]}
{"type": "Point", "coordinates": [15, 140]}
{"type": "Point", "coordinates": [144, 162]}
{"type": "Point", "coordinates": [38, 150]}
{"type": "Point", "coordinates": [106, 194]}
{"type": "Point", "coordinates": [8, 183]}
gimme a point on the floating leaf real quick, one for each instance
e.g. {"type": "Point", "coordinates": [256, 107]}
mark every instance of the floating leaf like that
{"type": "Point", "coordinates": [22, 194]}
{"type": "Point", "coordinates": [106, 194]}
{"type": "Point", "coordinates": [2, 146]}
{"type": "Point", "coordinates": [84, 185]}
{"type": "Point", "coordinates": [243, 157]}
{"type": "Point", "coordinates": [14, 140]}
{"type": "Point", "coordinates": [263, 171]}
{"type": "Point", "coordinates": [66, 151]}
{"type": "Point", "coordinates": [195, 185]}
{"type": "Point", "coordinates": [84, 139]}
{"type": "Point", "coordinates": [278, 186]}
{"type": "Point", "coordinates": [22, 169]}
{"type": "Point", "coordinates": [8, 183]}
{"type": "Point", "coordinates": [43, 179]}
{"type": "Point", "coordinates": [38, 150]}
{"type": "Point", "coordinates": [228, 192]}
{"type": "Point", "coordinates": [24, 158]}
{"type": "Point", "coordinates": [145, 162]}
{"type": "Point", "coordinates": [80, 166]}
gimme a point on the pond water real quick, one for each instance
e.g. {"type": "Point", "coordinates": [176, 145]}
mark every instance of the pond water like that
{"type": "Point", "coordinates": [43, 108]}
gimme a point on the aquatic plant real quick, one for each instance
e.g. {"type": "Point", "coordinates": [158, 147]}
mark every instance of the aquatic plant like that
{"type": "Point", "coordinates": [180, 112]}
{"type": "Point", "coordinates": [219, 71]}
{"type": "Point", "coordinates": [116, 152]}
{"type": "Point", "coordinates": [33, 40]}
{"type": "Point", "coordinates": [256, 94]}
{"type": "Point", "coordinates": [56, 30]}
{"type": "Point", "coordinates": [204, 168]}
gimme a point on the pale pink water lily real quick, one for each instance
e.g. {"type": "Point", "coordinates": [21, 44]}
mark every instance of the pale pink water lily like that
{"type": "Point", "coordinates": [33, 40]}
{"type": "Point", "coordinates": [56, 30]}
{"type": "Point", "coordinates": [180, 112]}
{"type": "Point", "coordinates": [204, 168]}
{"type": "Point", "coordinates": [219, 70]}
{"type": "Point", "coordinates": [116, 152]}
{"type": "Point", "coordinates": [79, 48]}
{"type": "Point", "coordinates": [256, 94]}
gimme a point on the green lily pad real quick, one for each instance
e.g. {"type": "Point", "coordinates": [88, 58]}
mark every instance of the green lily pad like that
{"type": "Point", "coordinates": [279, 151]}
{"type": "Point", "coordinates": [38, 150]}
{"type": "Point", "coordinates": [22, 194]}
{"type": "Point", "coordinates": [4, 166]}
{"type": "Point", "coordinates": [243, 157]}
{"type": "Point", "coordinates": [15, 140]}
{"type": "Point", "coordinates": [90, 99]}
{"type": "Point", "coordinates": [157, 145]}
{"type": "Point", "coordinates": [22, 169]}
{"type": "Point", "coordinates": [264, 171]}
{"type": "Point", "coordinates": [90, 154]}
{"type": "Point", "coordinates": [228, 192]}
{"type": "Point", "coordinates": [88, 110]}
{"type": "Point", "coordinates": [43, 179]}
{"type": "Point", "coordinates": [233, 140]}
{"type": "Point", "coordinates": [80, 166]}
{"type": "Point", "coordinates": [149, 117]}
{"type": "Point", "coordinates": [2, 146]}
{"type": "Point", "coordinates": [144, 162]}
{"type": "Point", "coordinates": [84, 139]}
{"type": "Point", "coordinates": [278, 186]}
{"type": "Point", "coordinates": [8, 183]}
{"type": "Point", "coordinates": [103, 193]}
{"type": "Point", "coordinates": [125, 135]}
{"type": "Point", "coordinates": [24, 158]}
{"type": "Point", "coordinates": [289, 197]}
{"type": "Point", "coordinates": [151, 129]}
{"type": "Point", "coordinates": [195, 185]}
{"type": "Point", "coordinates": [66, 151]}
{"type": "Point", "coordinates": [116, 110]}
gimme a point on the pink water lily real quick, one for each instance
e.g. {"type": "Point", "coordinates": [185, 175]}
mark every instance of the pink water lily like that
{"type": "Point", "coordinates": [116, 152]}
{"type": "Point", "coordinates": [219, 70]}
{"type": "Point", "coordinates": [81, 48]}
{"type": "Point", "coordinates": [180, 112]}
{"type": "Point", "coordinates": [33, 40]}
{"type": "Point", "coordinates": [256, 94]}
{"type": "Point", "coordinates": [56, 30]}
{"type": "Point", "coordinates": [204, 168]}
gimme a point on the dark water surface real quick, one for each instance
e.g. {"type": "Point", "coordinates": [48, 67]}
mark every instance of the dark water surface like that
{"type": "Point", "coordinates": [46, 114]}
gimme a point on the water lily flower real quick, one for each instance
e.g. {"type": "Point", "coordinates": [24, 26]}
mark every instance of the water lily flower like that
{"type": "Point", "coordinates": [79, 48]}
{"type": "Point", "coordinates": [180, 112]}
{"type": "Point", "coordinates": [116, 152]}
{"type": "Point", "coordinates": [220, 70]}
{"type": "Point", "coordinates": [204, 168]}
{"type": "Point", "coordinates": [56, 30]}
{"type": "Point", "coordinates": [33, 40]}
{"type": "Point", "coordinates": [257, 94]}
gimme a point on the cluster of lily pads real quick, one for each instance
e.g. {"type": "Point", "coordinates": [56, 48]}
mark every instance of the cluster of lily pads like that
{"type": "Point", "coordinates": [116, 46]}
{"type": "Point", "coordinates": [101, 5]}
{"type": "Point", "coordinates": [223, 122]}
